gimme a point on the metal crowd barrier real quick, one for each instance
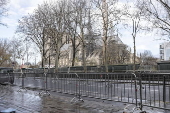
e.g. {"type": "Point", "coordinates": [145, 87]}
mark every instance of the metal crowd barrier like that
{"type": "Point", "coordinates": [147, 89]}
{"type": "Point", "coordinates": [156, 89]}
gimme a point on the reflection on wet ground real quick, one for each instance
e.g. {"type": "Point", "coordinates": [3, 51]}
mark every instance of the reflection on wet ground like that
{"type": "Point", "coordinates": [23, 102]}
{"type": "Point", "coordinates": [31, 102]}
{"type": "Point", "coordinates": [56, 105]}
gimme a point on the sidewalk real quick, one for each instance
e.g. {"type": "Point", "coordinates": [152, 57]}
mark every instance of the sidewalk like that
{"type": "Point", "coordinates": [31, 102]}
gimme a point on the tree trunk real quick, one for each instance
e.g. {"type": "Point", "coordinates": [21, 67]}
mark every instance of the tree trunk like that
{"type": "Point", "coordinates": [134, 55]}
{"type": "Point", "coordinates": [105, 29]}
{"type": "Point", "coordinates": [84, 57]}
{"type": "Point", "coordinates": [74, 54]}
{"type": "Point", "coordinates": [105, 54]}
{"type": "Point", "coordinates": [57, 55]}
{"type": "Point", "coordinates": [42, 63]}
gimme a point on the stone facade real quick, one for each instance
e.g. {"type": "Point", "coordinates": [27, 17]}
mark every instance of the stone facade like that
{"type": "Point", "coordinates": [93, 54]}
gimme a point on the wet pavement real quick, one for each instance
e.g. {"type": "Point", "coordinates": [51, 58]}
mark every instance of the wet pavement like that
{"type": "Point", "coordinates": [30, 101]}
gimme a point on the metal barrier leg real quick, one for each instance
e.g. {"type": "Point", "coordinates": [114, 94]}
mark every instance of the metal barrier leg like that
{"type": "Point", "coordinates": [78, 95]}
{"type": "Point", "coordinates": [140, 83]}
{"type": "Point", "coordinates": [139, 105]}
{"type": "Point", "coordinates": [22, 86]}
{"type": "Point", "coordinates": [55, 80]}
{"type": "Point", "coordinates": [164, 90]}
{"type": "Point", "coordinates": [45, 92]}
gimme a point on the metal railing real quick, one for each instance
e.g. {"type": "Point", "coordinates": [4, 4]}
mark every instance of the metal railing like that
{"type": "Point", "coordinates": [147, 89]}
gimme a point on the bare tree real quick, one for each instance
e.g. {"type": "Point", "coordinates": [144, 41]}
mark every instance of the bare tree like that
{"type": "Point", "coordinates": [46, 24]}
{"type": "Point", "coordinates": [58, 28]}
{"type": "Point", "coordinates": [72, 29]}
{"type": "Point", "coordinates": [147, 60]}
{"type": "Point", "coordinates": [70, 21]}
{"type": "Point", "coordinates": [158, 13]}
{"type": "Point", "coordinates": [110, 17]}
{"type": "Point", "coordinates": [5, 53]}
{"type": "Point", "coordinates": [34, 28]}
{"type": "Point", "coordinates": [3, 9]}
{"type": "Point", "coordinates": [77, 26]}
{"type": "Point", "coordinates": [135, 17]}
{"type": "Point", "coordinates": [135, 20]}
{"type": "Point", "coordinates": [81, 10]}
{"type": "Point", "coordinates": [123, 53]}
{"type": "Point", "coordinates": [17, 49]}
{"type": "Point", "coordinates": [118, 53]}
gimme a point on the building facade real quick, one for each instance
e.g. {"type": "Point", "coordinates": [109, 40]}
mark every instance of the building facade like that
{"type": "Point", "coordinates": [164, 51]}
{"type": "Point", "coordinates": [93, 53]}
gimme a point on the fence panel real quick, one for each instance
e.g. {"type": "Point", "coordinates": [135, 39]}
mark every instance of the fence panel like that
{"type": "Point", "coordinates": [156, 90]}
{"type": "Point", "coordinates": [149, 89]}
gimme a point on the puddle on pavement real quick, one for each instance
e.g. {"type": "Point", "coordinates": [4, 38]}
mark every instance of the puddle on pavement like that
{"type": "Point", "coordinates": [30, 102]}
{"type": "Point", "coordinates": [23, 101]}
{"type": "Point", "coordinates": [58, 105]}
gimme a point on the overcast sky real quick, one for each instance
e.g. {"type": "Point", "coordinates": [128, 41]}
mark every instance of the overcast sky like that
{"type": "Point", "coordinates": [19, 8]}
